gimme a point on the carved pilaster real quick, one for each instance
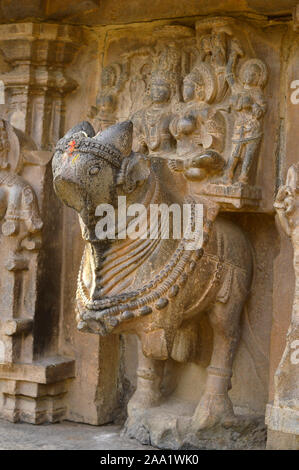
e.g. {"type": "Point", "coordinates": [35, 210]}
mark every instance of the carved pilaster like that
{"type": "Point", "coordinates": [31, 388]}
{"type": "Point", "coordinates": [35, 87]}
{"type": "Point", "coordinates": [37, 82]}
{"type": "Point", "coordinates": [283, 415]}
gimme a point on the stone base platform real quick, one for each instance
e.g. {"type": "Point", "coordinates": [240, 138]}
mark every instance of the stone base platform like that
{"type": "Point", "coordinates": [234, 196]}
{"type": "Point", "coordinates": [35, 393]}
{"type": "Point", "coordinates": [283, 425]}
{"type": "Point", "coordinates": [169, 427]}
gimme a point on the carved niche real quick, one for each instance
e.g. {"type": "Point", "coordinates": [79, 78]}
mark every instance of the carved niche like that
{"type": "Point", "coordinates": [196, 105]}
{"type": "Point", "coordinates": [192, 95]}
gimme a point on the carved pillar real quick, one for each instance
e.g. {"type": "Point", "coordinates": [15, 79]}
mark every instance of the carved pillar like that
{"type": "Point", "coordinates": [33, 377]}
{"type": "Point", "coordinates": [37, 83]}
{"type": "Point", "coordinates": [283, 415]}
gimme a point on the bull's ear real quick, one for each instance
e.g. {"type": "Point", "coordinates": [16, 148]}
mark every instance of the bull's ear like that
{"type": "Point", "coordinates": [119, 136]}
{"type": "Point", "coordinates": [293, 177]}
{"type": "Point", "coordinates": [84, 126]}
{"type": "Point", "coordinates": [135, 171]}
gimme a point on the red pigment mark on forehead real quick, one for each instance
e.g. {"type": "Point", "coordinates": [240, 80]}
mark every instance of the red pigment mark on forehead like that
{"type": "Point", "coordinates": [72, 146]}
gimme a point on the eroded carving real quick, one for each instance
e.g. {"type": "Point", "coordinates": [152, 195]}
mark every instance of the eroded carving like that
{"type": "Point", "coordinates": [18, 203]}
{"type": "Point", "coordinates": [21, 226]}
{"type": "Point", "coordinates": [152, 132]}
{"type": "Point", "coordinates": [249, 106]}
{"type": "Point", "coordinates": [112, 80]}
{"type": "Point", "coordinates": [283, 415]}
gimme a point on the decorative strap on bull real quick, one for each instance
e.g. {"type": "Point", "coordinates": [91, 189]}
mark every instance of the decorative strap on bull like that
{"type": "Point", "coordinates": [81, 139]}
{"type": "Point", "coordinates": [83, 144]}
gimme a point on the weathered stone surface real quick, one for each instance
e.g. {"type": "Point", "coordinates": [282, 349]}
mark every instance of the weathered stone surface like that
{"type": "Point", "coordinates": [283, 415]}
{"type": "Point", "coordinates": [168, 427]}
{"type": "Point", "coordinates": [64, 436]}
{"type": "Point", "coordinates": [211, 89]}
{"type": "Point", "coordinates": [93, 12]}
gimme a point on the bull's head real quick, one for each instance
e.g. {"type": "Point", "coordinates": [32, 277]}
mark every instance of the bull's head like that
{"type": "Point", "coordinates": [91, 169]}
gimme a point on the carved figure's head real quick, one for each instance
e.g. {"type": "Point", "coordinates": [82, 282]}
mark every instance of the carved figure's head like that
{"type": "Point", "coordinates": [253, 73]}
{"type": "Point", "coordinates": [199, 85]}
{"type": "Point", "coordinates": [106, 103]}
{"type": "Point", "coordinates": [193, 88]}
{"type": "Point", "coordinates": [160, 90]}
{"type": "Point", "coordinates": [89, 169]}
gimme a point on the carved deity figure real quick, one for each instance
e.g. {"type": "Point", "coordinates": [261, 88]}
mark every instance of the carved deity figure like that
{"type": "Point", "coordinates": [196, 125]}
{"type": "Point", "coordinates": [249, 106]}
{"type": "Point", "coordinates": [286, 377]}
{"type": "Point", "coordinates": [4, 145]}
{"type": "Point", "coordinates": [153, 286]}
{"type": "Point", "coordinates": [112, 80]}
{"type": "Point", "coordinates": [18, 202]}
{"type": "Point", "coordinates": [213, 51]}
{"type": "Point", "coordinates": [152, 134]}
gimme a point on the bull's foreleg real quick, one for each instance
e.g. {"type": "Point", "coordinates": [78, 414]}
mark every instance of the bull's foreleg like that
{"type": "Point", "coordinates": [149, 377]}
{"type": "Point", "coordinates": [215, 405]}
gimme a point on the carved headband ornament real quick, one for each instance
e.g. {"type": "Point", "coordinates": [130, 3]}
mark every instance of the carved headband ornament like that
{"type": "Point", "coordinates": [81, 139]}
{"type": "Point", "coordinates": [81, 143]}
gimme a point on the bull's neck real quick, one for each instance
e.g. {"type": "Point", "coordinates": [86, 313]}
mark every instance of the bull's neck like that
{"type": "Point", "coordinates": [115, 261]}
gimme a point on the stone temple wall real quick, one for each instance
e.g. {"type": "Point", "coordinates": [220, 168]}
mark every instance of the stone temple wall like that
{"type": "Point", "coordinates": [213, 89]}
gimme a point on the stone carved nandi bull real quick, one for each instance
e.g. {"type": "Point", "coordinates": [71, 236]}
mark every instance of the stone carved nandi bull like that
{"type": "Point", "coordinates": [153, 287]}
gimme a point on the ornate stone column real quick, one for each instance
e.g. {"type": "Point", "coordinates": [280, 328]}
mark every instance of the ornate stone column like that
{"type": "Point", "coordinates": [37, 82]}
{"type": "Point", "coordinates": [283, 415]}
{"type": "Point", "coordinates": [34, 378]}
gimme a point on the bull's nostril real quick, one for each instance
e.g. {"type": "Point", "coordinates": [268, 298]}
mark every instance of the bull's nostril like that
{"type": "Point", "coordinates": [68, 191]}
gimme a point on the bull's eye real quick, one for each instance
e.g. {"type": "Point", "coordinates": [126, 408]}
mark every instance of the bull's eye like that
{"type": "Point", "coordinates": [94, 170]}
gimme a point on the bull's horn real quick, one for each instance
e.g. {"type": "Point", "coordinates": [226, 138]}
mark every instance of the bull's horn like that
{"type": "Point", "coordinates": [119, 136]}
{"type": "Point", "coordinates": [82, 126]}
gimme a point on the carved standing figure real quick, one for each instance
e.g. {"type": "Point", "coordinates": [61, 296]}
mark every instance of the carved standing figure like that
{"type": "Point", "coordinates": [112, 80]}
{"type": "Point", "coordinates": [153, 287]}
{"type": "Point", "coordinates": [249, 106]}
{"type": "Point", "coordinates": [151, 125]}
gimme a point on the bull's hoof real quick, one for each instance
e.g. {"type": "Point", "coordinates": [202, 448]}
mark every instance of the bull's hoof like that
{"type": "Point", "coordinates": [141, 401]}
{"type": "Point", "coordinates": [212, 410]}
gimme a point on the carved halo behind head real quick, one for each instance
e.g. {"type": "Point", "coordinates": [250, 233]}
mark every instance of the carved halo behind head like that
{"type": "Point", "coordinates": [202, 73]}
{"type": "Point", "coordinates": [260, 67]}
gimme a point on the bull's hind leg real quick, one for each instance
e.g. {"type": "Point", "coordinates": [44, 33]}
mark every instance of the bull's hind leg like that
{"type": "Point", "coordinates": [149, 377]}
{"type": "Point", "coordinates": [215, 405]}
